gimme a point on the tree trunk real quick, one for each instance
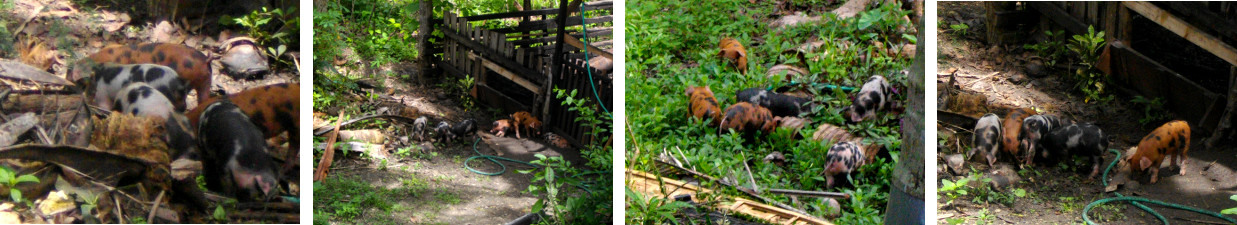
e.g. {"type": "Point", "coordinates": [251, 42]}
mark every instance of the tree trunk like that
{"type": "Point", "coordinates": [906, 194]}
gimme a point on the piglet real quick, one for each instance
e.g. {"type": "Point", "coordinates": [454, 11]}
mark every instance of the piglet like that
{"type": "Point", "coordinates": [142, 99]}
{"type": "Point", "coordinates": [1034, 128]}
{"type": "Point", "coordinates": [108, 79]}
{"type": "Point", "coordinates": [842, 159]}
{"type": "Point", "coordinates": [778, 104]}
{"type": "Point", "coordinates": [1170, 139]}
{"type": "Point", "coordinates": [745, 117]}
{"type": "Point", "coordinates": [986, 138]}
{"type": "Point", "coordinates": [526, 120]}
{"type": "Point", "coordinates": [501, 127]}
{"type": "Point", "coordinates": [1011, 127]}
{"type": "Point", "coordinates": [418, 128]}
{"type": "Point", "coordinates": [874, 96]}
{"type": "Point", "coordinates": [464, 128]}
{"type": "Point", "coordinates": [235, 159]}
{"type": "Point", "coordinates": [1078, 139]}
{"type": "Point", "coordinates": [703, 105]}
{"type": "Point", "coordinates": [444, 132]}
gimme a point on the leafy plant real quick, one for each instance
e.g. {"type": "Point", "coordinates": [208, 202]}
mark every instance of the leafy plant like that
{"type": "Point", "coordinates": [1153, 110]}
{"type": "Point", "coordinates": [1089, 80]}
{"type": "Point", "coordinates": [959, 28]}
{"type": "Point", "coordinates": [276, 29]}
{"type": "Point", "coordinates": [954, 189]}
{"type": "Point", "coordinates": [1230, 211]}
{"type": "Point", "coordinates": [10, 180]}
{"type": "Point", "coordinates": [1052, 49]}
{"type": "Point", "coordinates": [651, 210]}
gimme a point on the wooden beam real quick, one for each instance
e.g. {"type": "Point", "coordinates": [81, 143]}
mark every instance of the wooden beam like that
{"type": "Point", "coordinates": [1060, 16]}
{"type": "Point", "coordinates": [575, 42]}
{"type": "Point", "coordinates": [1185, 30]}
{"type": "Point", "coordinates": [1189, 100]}
{"type": "Point", "coordinates": [489, 54]}
{"type": "Point", "coordinates": [506, 73]}
{"type": "Point", "coordinates": [1196, 13]}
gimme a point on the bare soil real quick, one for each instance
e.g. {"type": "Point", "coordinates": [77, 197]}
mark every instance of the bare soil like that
{"type": "Point", "coordinates": [1057, 193]}
{"type": "Point", "coordinates": [454, 195]}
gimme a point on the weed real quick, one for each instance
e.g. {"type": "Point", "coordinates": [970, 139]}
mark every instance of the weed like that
{"type": "Point", "coordinates": [959, 28]}
{"type": "Point", "coordinates": [1068, 204]}
{"type": "Point", "coordinates": [1153, 110]}
{"type": "Point", "coordinates": [276, 29]}
{"type": "Point", "coordinates": [1230, 211]}
{"type": "Point", "coordinates": [651, 210]}
{"type": "Point", "coordinates": [1050, 50]}
{"type": "Point", "coordinates": [9, 179]}
{"type": "Point", "coordinates": [447, 197]}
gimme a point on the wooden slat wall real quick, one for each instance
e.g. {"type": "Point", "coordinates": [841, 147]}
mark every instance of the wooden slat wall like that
{"type": "Point", "coordinates": [530, 45]}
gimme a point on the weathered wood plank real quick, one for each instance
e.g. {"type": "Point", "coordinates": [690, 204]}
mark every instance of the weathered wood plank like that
{"type": "Point", "coordinates": [1060, 16]}
{"type": "Point", "coordinates": [1196, 13]}
{"type": "Point", "coordinates": [1183, 29]}
{"type": "Point", "coordinates": [508, 74]}
{"type": "Point", "coordinates": [575, 42]}
{"type": "Point", "coordinates": [489, 54]}
{"type": "Point", "coordinates": [536, 12]}
{"type": "Point", "coordinates": [1187, 99]}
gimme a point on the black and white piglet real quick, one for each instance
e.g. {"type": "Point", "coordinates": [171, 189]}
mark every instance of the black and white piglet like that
{"type": "Point", "coordinates": [235, 159]}
{"type": "Point", "coordinates": [139, 98]}
{"type": "Point", "coordinates": [778, 104]}
{"type": "Point", "coordinates": [448, 133]}
{"type": "Point", "coordinates": [109, 79]}
{"type": "Point", "coordinates": [1078, 139]}
{"type": "Point", "coordinates": [986, 138]}
{"type": "Point", "coordinates": [418, 128]}
{"type": "Point", "coordinates": [1034, 128]}
{"type": "Point", "coordinates": [873, 97]}
{"type": "Point", "coordinates": [842, 159]}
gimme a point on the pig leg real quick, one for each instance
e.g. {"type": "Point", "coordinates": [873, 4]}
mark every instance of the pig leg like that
{"type": "Point", "coordinates": [1174, 159]}
{"type": "Point", "coordinates": [1095, 166]}
{"type": "Point", "coordinates": [1155, 173]}
{"type": "Point", "coordinates": [517, 130]}
{"type": "Point", "coordinates": [290, 156]}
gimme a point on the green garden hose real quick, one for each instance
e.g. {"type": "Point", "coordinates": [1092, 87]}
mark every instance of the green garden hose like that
{"type": "Point", "coordinates": [1136, 201]}
{"type": "Point", "coordinates": [584, 34]}
{"type": "Point", "coordinates": [585, 186]}
{"type": "Point", "coordinates": [493, 159]}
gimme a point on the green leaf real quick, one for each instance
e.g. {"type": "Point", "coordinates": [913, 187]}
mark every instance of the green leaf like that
{"type": "Point", "coordinates": [15, 194]}
{"type": "Point", "coordinates": [219, 214]}
{"type": "Point", "coordinates": [27, 178]}
{"type": "Point", "coordinates": [538, 206]}
{"type": "Point", "coordinates": [1020, 193]}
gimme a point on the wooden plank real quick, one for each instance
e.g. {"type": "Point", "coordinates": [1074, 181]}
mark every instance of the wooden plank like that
{"type": "Point", "coordinates": [575, 42]}
{"type": "Point", "coordinates": [1060, 16]}
{"type": "Point", "coordinates": [1183, 29]}
{"type": "Point", "coordinates": [489, 54]}
{"type": "Point", "coordinates": [600, 32]}
{"type": "Point", "coordinates": [536, 12]}
{"type": "Point", "coordinates": [495, 99]}
{"type": "Point", "coordinates": [546, 24]}
{"type": "Point", "coordinates": [507, 73]}
{"type": "Point", "coordinates": [1196, 13]}
{"type": "Point", "coordinates": [1189, 100]}
{"type": "Point", "coordinates": [660, 187]}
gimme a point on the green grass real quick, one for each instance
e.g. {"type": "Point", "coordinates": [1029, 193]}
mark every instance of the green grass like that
{"type": "Point", "coordinates": [672, 44]}
{"type": "Point", "coordinates": [346, 199]}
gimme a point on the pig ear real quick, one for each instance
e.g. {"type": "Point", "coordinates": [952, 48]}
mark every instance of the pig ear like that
{"type": "Point", "coordinates": [1144, 163]}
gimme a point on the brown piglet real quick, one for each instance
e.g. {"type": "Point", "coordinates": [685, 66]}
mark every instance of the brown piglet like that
{"type": "Point", "coordinates": [1171, 139]}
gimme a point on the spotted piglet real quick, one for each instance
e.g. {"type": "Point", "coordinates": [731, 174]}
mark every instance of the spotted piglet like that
{"type": "Point", "coordinates": [842, 159]}
{"type": "Point", "coordinates": [418, 128]}
{"type": "Point", "coordinates": [108, 79]}
{"type": "Point", "coordinates": [986, 138]}
{"type": "Point", "coordinates": [703, 105]}
{"type": "Point", "coordinates": [444, 132]}
{"type": "Point", "coordinates": [745, 117]}
{"type": "Point", "coordinates": [465, 128]}
{"type": "Point", "coordinates": [873, 97]}
{"type": "Point", "coordinates": [1078, 139]}
{"type": "Point", "coordinates": [778, 104]}
{"type": "Point", "coordinates": [1034, 128]}
{"type": "Point", "coordinates": [142, 99]}
{"type": "Point", "coordinates": [235, 159]}
{"type": "Point", "coordinates": [1170, 139]}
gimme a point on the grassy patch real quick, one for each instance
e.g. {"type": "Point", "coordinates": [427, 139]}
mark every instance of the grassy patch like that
{"type": "Point", "coordinates": [346, 199]}
{"type": "Point", "coordinates": [672, 44]}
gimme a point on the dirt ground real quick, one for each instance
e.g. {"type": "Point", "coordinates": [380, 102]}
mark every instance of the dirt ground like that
{"type": "Point", "coordinates": [482, 199]}
{"type": "Point", "coordinates": [1057, 195]}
